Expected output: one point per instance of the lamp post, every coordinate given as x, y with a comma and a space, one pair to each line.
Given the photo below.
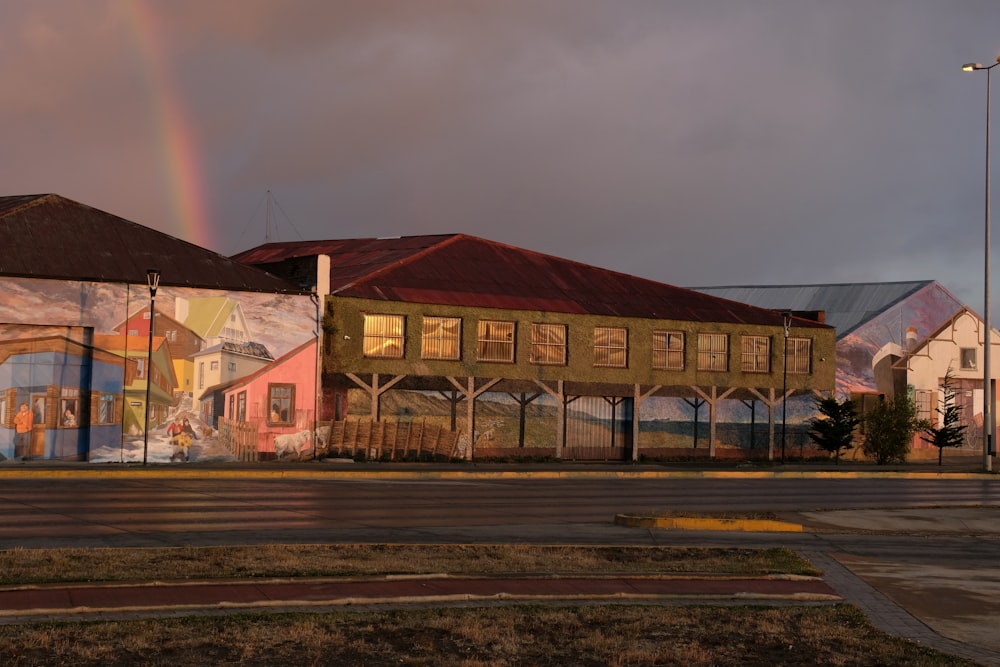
988, 417
786, 318
153, 281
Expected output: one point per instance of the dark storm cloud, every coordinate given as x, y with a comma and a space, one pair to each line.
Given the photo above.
694, 142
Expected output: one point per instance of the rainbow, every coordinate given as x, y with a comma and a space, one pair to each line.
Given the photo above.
176, 135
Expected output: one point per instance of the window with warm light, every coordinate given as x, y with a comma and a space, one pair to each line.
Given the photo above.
442, 338
713, 352
611, 347
495, 341
798, 355
383, 336
668, 350
756, 354
548, 344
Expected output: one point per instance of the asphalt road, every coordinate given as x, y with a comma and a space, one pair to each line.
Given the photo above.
154, 511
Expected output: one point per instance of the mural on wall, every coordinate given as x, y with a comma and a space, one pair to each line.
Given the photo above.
75, 356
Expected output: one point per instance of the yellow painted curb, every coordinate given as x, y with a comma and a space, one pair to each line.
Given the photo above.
319, 472
705, 523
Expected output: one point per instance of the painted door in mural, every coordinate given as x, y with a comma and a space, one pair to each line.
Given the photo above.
38, 429
969, 399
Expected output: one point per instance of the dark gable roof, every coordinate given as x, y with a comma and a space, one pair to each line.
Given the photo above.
464, 270
48, 236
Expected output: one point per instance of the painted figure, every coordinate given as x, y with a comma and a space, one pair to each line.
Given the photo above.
177, 438
23, 421
69, 419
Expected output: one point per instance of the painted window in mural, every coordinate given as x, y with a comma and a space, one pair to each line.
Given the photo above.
798, 355
668, 350
69, 407
548, 344
713, 352
442, 338
140, 368
241, 406
495, 341
281, 398
756, 354
611, 347
106, 404
383, 336
967, 356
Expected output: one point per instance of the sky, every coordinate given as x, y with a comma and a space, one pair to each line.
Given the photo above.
693, 142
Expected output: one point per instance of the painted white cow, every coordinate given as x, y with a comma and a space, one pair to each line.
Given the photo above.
292, 445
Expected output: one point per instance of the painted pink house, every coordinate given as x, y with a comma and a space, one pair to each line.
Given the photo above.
278, 399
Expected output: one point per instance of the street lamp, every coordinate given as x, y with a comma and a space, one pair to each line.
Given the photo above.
988, 425
786, 318
152, 281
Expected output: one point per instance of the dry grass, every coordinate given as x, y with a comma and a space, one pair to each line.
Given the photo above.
497, 636
614, 635
21, 566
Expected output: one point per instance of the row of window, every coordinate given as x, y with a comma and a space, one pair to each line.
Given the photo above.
71, 406
441, 338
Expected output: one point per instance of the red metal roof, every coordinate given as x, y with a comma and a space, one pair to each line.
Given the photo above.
463, 270
48, 236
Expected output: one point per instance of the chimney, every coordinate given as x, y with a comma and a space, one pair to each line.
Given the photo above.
911, 338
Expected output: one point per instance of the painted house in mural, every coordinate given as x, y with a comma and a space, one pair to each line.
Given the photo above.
277, 400
157, 372
184, 343
558, 358
73, 390
220, 364
919, 368
69, 267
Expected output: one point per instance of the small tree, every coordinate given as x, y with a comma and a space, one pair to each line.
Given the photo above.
889, 430
951, 433
834, 430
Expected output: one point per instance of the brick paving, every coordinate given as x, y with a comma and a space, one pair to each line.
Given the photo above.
889, 617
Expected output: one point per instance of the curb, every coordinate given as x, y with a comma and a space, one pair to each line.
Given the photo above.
700, 523
185, 472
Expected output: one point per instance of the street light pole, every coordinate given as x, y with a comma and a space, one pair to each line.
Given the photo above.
988, 403
786, 318
153, 282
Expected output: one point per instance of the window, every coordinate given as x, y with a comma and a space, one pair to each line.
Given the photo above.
442, 338
231, 412
548, 344
201, 375
133, 332
281, 399
171, 335
383, 337
232, 366
213, 365
106, 408
668, 350
241, 406
611, 347
140, 368
923, 400
798, 355
968, 358
69, 407
495, 341
756, 354
713, 352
